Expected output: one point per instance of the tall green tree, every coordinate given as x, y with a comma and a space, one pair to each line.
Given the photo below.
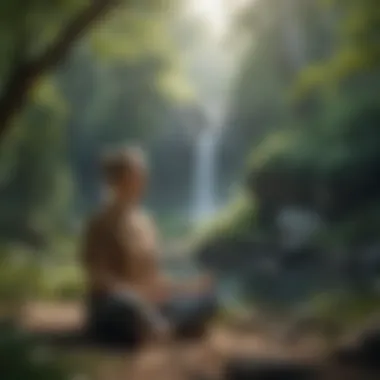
110, 87
36, 35
307, 107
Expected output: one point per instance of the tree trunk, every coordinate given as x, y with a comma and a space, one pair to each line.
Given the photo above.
23, 77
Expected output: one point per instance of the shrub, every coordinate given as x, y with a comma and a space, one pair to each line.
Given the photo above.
20, 358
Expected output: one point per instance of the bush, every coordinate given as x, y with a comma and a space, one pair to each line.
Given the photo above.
236, 220
20, 358
61, 283
19, 279
24, 276
347, 309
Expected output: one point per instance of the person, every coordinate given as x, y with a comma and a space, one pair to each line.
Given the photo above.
130, 300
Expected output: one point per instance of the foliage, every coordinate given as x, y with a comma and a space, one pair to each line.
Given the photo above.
358, 53
19, 358
36, 181
20, 278
308, 110
236, 220
24, 276
359, 227
357, 309
28, 28
121, 81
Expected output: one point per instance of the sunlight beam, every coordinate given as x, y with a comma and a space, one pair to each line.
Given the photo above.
214, 12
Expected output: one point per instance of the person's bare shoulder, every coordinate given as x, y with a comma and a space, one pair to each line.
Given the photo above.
147, 219
145, 214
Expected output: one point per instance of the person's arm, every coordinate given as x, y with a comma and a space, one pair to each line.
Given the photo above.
94, 261
167, 286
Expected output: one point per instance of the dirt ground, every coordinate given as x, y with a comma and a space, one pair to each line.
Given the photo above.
224, 343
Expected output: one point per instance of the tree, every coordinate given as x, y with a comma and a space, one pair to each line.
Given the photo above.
24, 71
37, 35
304, 96
284, 38
106, 91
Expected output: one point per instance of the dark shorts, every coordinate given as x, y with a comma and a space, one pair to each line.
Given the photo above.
122, 321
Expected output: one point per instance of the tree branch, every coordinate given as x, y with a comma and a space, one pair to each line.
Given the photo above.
25, 74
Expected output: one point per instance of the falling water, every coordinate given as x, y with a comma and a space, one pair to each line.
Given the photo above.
205, 169
210, 67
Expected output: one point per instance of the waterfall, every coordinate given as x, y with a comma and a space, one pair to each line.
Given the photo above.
210, 67
205, 169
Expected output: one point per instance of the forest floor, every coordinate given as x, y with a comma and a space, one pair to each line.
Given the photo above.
226, 340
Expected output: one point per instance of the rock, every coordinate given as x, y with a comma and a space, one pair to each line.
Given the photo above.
247, 369
312, 325
363, 353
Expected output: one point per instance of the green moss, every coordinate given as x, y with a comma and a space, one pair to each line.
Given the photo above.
237, 219
25, 276
361, 226
347, 309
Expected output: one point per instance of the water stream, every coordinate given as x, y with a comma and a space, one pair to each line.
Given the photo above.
205, 169
210, 66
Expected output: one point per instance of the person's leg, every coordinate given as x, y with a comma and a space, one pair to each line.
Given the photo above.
125, 327
190, 312
190, 317
147, 319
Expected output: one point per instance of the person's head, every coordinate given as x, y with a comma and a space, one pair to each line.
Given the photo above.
125, 173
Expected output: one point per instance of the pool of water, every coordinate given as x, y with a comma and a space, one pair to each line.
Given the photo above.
228, 289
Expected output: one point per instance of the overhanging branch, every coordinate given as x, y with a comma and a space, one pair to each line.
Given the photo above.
25, 74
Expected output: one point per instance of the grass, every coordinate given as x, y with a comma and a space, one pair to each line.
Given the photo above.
349, 310
28, 278
19, 359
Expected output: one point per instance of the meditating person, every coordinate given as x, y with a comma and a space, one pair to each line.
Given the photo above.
130, 300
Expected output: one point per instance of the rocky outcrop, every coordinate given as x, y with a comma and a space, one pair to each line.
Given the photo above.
270, 272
